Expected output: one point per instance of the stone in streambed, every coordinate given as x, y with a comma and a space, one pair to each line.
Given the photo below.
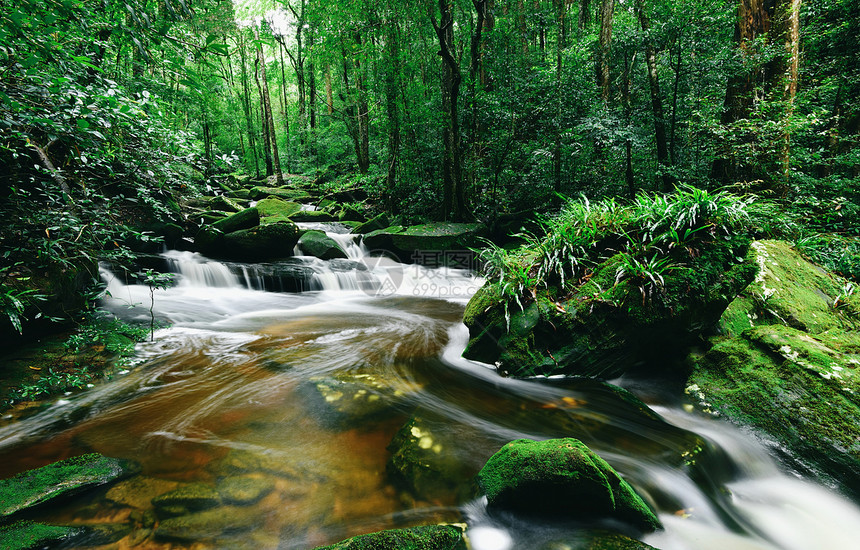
243, 491
561, 477
207, 524
318, 244
188, 498
264, 242
273, 209
60, 479
345, 401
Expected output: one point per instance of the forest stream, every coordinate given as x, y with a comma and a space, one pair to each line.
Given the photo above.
252, 384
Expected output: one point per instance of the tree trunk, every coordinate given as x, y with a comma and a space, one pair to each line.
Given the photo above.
561, 44
270, 120
607, 10
656, 100
454, 203
264, 120
392, 103
329, 99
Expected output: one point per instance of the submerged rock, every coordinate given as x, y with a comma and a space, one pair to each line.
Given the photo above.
436, 460
320, 245
25, 535
60, 479
207, 524
426, 537
561, 477
243, 491
191, 497
597, 539
787, 363
346, 401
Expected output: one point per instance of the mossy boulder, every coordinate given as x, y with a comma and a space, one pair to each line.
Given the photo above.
425, 537
561, 477
224, 203
286, 193
320, 245
273, 210
377, 222
786, 362
26, 535
597, 539
603, 327
350, 214
244, 219
313, 216
429, 244
60, 479
261, 243
801, 389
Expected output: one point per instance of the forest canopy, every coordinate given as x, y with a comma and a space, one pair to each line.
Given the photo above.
112, 113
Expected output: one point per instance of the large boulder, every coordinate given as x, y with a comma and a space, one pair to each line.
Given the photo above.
261, 243
320, 245
378, 222
273, 209
60, 479
313, 216
260, 192
561, 477
786, 363
603, 327
425, 537
432, 244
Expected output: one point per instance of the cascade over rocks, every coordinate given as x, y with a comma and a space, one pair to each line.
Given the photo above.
561, 477
318, 244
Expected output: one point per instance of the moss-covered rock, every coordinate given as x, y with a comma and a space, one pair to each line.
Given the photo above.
273, 210
60, 479
801, 389
412, 244
561, 477
320, 245
261, 243
350, 214
244, 219
603, 327
224, 203
313, 216
286, 193
597, 539
426, 537
207, 524
26, 535
786, 363
377, 222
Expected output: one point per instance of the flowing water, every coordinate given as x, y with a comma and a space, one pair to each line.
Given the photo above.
299, 375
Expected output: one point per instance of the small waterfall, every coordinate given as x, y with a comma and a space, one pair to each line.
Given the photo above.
199, 271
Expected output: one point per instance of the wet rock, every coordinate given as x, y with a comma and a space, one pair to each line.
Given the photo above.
100, 535
604, 328
561, 477
191, 497
207, 524
60, 479
244, 219
224, 203
348, 400
318, 244
437, 238
786, 362
429, 537
436, 459
139, 491
378, 222
240, 461
264, 242
350, 214
26, 535
243, 491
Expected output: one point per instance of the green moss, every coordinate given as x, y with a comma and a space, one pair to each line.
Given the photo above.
561, 477
225, 204
259, 193
62, 478
320, 245
244, 219
801, 389
264, 242
25, 535
427, 537
273, 210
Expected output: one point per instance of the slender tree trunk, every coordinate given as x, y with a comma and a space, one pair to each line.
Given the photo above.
329, 99
264, 115
454, 202
312, 85
286, 113
270, 120
672, 132
656, 100
246, 107
362, 114
629, 176
561, 44
785, 82
607, 10
392, 90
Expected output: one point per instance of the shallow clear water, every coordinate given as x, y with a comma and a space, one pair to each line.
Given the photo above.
230, 390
